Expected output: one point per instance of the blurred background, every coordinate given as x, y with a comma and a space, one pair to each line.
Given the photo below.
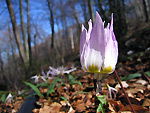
36, 34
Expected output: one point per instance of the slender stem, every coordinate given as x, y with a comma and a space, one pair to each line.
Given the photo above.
99, 87
124, 92
97, 83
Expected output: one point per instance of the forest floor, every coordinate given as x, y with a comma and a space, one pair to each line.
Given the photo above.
76, 93
81, 98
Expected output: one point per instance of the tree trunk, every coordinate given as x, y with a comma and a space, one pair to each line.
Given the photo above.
51, 22
35, 46
13, 56
2, 70
23, 30
138, 6
90, 9
16, 33
102, 12
84, 7
124, 22
77, 21
29, 33
9, 78
71, 39
146, 10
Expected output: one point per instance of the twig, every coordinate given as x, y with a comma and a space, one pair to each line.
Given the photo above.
124, 92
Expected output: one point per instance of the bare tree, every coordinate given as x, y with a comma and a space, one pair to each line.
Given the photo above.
146, 10
29, 32
16, 72
84, 7
102, 11
2, 69
51, 21
16, 33
71, 39
23, 30
90, 9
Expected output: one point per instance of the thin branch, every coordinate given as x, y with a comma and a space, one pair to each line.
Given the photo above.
124, 91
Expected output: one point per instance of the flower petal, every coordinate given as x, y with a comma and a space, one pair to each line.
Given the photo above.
69, 71
97, 36
93, 60
82, 38
83, 44
53, 71
89, 30
111, 50
111, 25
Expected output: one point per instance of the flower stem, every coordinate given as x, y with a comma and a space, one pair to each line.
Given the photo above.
97, 83
124, 91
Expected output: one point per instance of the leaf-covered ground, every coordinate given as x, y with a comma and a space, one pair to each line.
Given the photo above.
76, 93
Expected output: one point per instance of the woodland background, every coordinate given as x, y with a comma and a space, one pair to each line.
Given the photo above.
36, 34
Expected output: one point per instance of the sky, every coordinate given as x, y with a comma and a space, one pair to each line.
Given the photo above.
39, 14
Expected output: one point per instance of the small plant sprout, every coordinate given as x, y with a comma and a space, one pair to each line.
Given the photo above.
9, 98
110, 91
60, 71
37, 78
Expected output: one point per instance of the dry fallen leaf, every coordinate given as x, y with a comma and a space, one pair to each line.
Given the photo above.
134, 90
116, 104
80, 107
45, 109
71, 110
148, 86
143, 82
146, 102
17, 105
125, 112
111, 108
124, 83
53, 108
137, 108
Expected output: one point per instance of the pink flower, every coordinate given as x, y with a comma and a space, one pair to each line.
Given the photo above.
98, 47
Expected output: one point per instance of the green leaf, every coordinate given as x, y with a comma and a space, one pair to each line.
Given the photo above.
60, 85
34, 88
131, 76
100, 108
44, 84
3, 92
50, 100
51, 86
129, 58
70, 77
123, 78
63, 98
102, 99
75, 82
148, 73
3, 97
61, 80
